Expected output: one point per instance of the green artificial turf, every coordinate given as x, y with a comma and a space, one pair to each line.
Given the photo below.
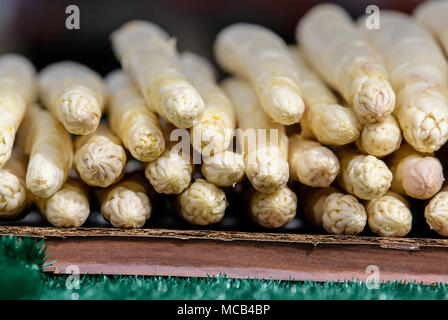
22, 261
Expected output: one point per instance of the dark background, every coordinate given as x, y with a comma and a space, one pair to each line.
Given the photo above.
37, 29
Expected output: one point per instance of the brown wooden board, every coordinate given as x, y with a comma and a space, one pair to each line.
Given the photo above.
240, 254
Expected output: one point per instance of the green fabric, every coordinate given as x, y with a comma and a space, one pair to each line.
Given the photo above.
22, 261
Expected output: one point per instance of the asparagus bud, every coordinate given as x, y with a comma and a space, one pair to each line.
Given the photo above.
68, 207
416, 175
126, 204
202, 203
224, 169
334, 211
99, 157
380, 138
74, 94
311, 163
362, 175
389, 215
273, 210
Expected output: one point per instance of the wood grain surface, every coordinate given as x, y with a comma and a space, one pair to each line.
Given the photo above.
240, 254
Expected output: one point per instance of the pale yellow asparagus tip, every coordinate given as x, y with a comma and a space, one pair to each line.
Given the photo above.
209, 136
170, 173
267, 170
425, 122
145, 144
311, 163
381, 138
202, 203
422, 177
343, 214
44, 177
374, 100
283, 102
100, 163
273, 210
181, 104
224, 169
80, 111
436, 213
68, 207
341, 124
126, 208
367, 177
389, 215
12, 194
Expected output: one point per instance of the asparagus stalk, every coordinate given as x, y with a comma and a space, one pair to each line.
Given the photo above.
324, 118
264, 142
261, 56
418, 73
213, 131
148, 54
50, 152
131, 120
336, 49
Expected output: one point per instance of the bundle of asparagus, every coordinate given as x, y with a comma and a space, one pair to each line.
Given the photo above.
237, 128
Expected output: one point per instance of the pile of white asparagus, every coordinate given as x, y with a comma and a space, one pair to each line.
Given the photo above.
372, 108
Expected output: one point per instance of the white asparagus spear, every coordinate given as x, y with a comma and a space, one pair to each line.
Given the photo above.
213, 131
417, 175
171, 172
260, 55
311, 163
264, 142
334, 211
418, 73
380, 138
149, 55
127, 204
68, 207
130, 119
362, 175
202, 203
74, 94
50, 151
335, 48
432, 15
273, 210
99, 157
389, 215
436, 212
224, 169
14, 197
327, 120
17, 90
